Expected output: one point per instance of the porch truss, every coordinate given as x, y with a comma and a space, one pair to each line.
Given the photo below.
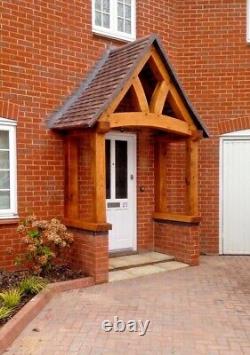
151, 98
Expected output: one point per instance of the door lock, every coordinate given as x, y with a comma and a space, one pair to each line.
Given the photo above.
131, 176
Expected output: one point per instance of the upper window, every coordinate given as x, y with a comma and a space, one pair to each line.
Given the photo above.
8, 195
114, 18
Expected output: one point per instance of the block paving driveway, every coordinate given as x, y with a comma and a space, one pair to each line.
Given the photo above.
196, 310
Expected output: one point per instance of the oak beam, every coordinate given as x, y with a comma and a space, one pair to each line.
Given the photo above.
89, 226
160, 175
98, 176
149, 120
71, 172
178, 106
174, 217
192, 155
159, 97
141, 100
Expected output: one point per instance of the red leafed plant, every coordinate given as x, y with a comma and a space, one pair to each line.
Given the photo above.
43, 242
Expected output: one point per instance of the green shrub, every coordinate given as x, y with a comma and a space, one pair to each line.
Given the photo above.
4, 312
32, 285
10, 298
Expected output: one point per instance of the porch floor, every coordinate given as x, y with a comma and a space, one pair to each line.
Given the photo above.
131, 266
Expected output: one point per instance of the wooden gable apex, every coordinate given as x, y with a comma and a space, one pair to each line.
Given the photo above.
141, 72
154, 101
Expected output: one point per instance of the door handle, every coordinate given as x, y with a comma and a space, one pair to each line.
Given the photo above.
131, 176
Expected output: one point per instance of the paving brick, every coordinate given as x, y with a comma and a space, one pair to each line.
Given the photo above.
195, 310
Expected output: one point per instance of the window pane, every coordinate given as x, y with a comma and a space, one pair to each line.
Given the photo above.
106, 21
120, 10
128, 26
4, 160
121, 169
98, 18
106, 6
108, 172
128, 2
4, 200
98, 5
120, 24
128, 12
4, 180
4, 140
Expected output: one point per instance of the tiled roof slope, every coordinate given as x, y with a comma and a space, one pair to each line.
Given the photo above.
104, 83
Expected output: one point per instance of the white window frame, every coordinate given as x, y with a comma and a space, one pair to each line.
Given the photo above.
10, 126
112, 32
248, 21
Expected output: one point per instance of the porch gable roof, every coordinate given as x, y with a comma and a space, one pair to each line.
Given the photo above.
106, 80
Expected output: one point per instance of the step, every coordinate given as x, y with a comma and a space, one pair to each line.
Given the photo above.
131, 261
139, 271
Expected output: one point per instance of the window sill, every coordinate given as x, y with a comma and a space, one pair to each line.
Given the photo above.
170, 217
9, 220
88, 226
116, 36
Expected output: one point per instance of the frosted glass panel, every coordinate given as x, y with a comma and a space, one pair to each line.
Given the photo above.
4, 140
98, 18
128, 26
4, 180
106, 23
4, 160
4, 200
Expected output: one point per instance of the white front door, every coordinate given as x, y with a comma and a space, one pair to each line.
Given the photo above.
121, 190
235, 193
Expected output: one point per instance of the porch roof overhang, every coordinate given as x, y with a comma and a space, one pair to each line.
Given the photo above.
112, 74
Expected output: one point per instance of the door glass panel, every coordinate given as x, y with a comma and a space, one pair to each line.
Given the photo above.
108, 168
121, 169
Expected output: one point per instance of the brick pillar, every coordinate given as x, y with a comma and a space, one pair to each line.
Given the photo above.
181, 240
90, 254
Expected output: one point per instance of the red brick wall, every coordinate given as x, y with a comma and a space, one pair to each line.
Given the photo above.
47, 47
213, 63
178, 239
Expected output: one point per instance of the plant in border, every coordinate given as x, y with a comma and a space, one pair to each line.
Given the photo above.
4, 312
10, 298
43, 241
32, 285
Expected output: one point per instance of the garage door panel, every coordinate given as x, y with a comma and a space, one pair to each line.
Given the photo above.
236, 196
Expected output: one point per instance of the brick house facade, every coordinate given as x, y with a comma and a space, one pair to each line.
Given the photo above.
48, 48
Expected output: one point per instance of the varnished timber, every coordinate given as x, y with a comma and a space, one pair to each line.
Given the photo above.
149, 120
159, 97
71, 177
192, 152
160, 175
98, 176
89, 226
139, 93
176, 217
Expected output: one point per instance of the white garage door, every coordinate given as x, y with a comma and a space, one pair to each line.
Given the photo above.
235, 193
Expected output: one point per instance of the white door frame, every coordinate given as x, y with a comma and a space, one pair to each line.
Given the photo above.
115, 135
237, 135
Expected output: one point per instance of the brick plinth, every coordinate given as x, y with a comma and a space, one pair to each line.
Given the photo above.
90, 254
180, 240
